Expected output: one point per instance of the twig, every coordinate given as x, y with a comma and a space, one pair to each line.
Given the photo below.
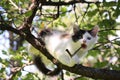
74, 7
19, 8
108, 30
50, 3
71, 55
85, 13
14, 4
15, 70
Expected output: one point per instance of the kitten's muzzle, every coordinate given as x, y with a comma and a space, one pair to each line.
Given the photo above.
84, 46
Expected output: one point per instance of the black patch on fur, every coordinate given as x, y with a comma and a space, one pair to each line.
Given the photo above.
78, 35
90, 32
45, 32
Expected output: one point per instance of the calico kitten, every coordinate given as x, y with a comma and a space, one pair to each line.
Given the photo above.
69, 48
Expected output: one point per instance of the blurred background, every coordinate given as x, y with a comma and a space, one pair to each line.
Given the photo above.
16, 53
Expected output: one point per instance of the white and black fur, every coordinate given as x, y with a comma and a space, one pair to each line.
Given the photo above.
67, 48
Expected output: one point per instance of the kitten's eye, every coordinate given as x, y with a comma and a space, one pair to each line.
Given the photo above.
89, 38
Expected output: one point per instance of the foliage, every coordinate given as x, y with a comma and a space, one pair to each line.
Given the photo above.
105, 53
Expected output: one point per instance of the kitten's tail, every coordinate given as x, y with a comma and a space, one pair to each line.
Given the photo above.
41, 66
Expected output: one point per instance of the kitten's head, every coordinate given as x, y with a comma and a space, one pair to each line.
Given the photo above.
87, 38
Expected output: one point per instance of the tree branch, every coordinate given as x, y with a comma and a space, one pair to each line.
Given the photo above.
28, 21
13, 4
9, 28
50, 3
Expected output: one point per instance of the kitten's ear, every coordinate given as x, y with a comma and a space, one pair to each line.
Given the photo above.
94, 31
76, 28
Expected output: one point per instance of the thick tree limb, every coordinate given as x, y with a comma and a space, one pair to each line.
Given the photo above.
9, 28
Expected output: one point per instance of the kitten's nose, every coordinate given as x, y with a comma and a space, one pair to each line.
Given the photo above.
84, 41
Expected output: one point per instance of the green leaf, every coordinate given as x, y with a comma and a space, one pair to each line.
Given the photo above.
117, 42
0, 60
92, 13
19, 73
108, 22
82, 78
110, 4
5, 62
63, 9
28, 13
118, 49
21, 49
4, 52
67, 73
101, 64
2, 70
117, 12
17, 1
93, 53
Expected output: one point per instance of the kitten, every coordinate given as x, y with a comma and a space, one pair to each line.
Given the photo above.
69, 48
